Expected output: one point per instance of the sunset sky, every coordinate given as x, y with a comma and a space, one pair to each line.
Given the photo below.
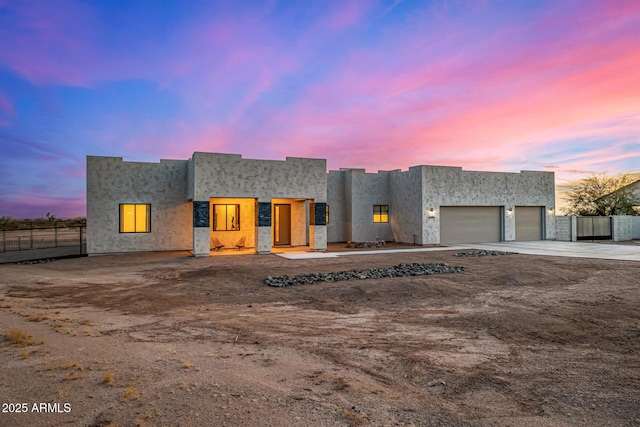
388, 84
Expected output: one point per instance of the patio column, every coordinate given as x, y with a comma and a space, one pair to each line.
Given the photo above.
263, 227
201, 240
319, 227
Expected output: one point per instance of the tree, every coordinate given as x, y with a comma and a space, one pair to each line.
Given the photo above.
603, 195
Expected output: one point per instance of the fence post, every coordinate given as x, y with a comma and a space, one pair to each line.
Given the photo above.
80, 239
55, 227
31, 237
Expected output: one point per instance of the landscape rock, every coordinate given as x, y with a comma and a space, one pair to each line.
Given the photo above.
37, 261
482, 253
359, 245
400, 270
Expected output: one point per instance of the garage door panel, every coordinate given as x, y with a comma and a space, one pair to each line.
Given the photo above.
528, 223
470, 224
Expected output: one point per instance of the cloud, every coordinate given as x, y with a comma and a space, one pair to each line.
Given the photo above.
50, 42
24, 148
466, 102
380, 85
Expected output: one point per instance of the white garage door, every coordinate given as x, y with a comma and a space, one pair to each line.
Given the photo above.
528, 223
470, 224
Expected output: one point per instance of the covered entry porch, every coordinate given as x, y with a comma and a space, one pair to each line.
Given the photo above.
245, 225
235, 198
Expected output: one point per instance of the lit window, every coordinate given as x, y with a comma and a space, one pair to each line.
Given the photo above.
226, 217
380, 213
327, 214
135, 218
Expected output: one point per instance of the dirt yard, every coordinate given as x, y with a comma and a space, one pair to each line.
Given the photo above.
170, 340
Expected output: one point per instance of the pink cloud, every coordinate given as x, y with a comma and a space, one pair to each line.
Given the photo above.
179, 140
67, 42
48, 40
501, 98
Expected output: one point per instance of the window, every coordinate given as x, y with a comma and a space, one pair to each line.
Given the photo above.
380, 213
135, 218
327, 214
226, 217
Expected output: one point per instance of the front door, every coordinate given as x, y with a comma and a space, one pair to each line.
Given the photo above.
282, 225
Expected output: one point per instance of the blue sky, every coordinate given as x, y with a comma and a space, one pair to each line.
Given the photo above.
486, 85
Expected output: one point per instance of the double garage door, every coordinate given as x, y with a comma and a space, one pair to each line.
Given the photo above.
475, 224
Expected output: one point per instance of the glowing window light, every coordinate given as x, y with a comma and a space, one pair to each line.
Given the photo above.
226, 217
380, 213
135, 218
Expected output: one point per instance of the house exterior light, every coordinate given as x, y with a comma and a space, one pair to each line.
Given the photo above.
431, 213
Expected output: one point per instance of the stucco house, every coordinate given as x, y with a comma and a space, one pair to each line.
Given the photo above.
192, 204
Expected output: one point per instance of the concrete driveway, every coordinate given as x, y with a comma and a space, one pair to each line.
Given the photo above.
567, 249
544, 247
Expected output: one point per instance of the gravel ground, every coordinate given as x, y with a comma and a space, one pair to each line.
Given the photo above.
170, 340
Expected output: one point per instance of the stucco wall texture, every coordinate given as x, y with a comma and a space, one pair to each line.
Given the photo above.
172, 187
451, 186
337, 228
352, 214
410, 194
229, 175
110, 182
408, 205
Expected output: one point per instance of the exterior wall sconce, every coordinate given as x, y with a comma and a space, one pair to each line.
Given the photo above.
431, 213
551, 210
509, 211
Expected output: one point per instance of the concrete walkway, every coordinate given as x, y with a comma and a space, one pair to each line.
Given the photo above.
568, 249
310, 255
545, 247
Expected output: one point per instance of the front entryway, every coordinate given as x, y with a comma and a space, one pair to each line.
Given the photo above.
282, 225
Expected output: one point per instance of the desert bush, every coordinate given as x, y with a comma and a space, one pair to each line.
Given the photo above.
20, 337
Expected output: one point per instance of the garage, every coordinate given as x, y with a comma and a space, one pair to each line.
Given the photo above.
528, 223
470, 224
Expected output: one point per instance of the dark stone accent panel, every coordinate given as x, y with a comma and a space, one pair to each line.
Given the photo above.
264, 214
320, 210
200, 214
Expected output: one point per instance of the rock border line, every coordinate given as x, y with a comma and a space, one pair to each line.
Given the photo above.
400, 270
483, 253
